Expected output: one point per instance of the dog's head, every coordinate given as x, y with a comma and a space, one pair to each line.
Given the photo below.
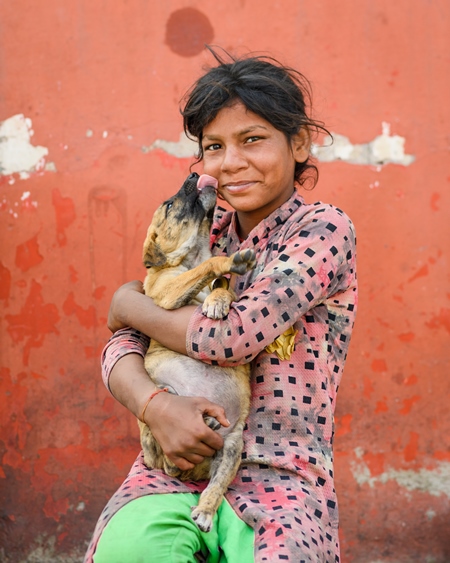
180, 222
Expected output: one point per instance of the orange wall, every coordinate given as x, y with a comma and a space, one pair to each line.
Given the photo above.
100, 83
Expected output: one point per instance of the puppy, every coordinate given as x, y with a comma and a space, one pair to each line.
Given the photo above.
179, 268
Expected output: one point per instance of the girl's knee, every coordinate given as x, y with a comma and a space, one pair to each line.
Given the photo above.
150, 529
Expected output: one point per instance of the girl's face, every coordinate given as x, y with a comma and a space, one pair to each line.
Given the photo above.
253, 162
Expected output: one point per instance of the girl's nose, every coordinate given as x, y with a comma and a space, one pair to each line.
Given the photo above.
233, 159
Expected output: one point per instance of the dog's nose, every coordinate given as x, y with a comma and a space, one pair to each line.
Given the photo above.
193, 176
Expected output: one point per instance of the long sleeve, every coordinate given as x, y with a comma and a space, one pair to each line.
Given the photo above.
123, 342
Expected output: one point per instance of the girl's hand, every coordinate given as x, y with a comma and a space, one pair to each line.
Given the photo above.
120, 306
177, 424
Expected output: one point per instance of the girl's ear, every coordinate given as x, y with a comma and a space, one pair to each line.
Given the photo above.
301, 145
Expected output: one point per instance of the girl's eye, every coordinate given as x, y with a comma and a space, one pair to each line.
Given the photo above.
212, 147
252, 139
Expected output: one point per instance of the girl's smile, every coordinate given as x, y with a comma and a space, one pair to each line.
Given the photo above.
253, 162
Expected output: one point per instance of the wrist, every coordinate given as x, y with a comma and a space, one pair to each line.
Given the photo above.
123, 302
130, 384
156, 409
150, 398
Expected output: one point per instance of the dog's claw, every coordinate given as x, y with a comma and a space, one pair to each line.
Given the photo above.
243, 261
202, 519
212, 422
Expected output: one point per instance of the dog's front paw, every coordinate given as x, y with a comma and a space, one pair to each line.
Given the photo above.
202, 518
217, 304
243, 261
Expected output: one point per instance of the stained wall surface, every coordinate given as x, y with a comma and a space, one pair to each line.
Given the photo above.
90, 144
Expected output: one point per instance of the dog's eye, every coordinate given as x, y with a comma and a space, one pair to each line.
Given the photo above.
169, 205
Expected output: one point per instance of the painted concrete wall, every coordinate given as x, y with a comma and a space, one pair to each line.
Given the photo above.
89, 145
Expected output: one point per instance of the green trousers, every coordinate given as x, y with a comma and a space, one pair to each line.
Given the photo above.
158, 529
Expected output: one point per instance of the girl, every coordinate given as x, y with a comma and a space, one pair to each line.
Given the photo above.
293, 321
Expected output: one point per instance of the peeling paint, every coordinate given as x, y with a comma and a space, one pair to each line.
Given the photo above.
430, 514
72, 236
50, 167
46, 549
12, 207
384, 149
86, 317
183, 148
35, 321
5, 282
17, 154
64, 214
435, 482
28, 255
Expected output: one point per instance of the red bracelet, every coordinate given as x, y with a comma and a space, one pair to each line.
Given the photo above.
164, 390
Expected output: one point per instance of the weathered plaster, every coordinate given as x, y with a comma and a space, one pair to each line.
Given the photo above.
183, 148
384, 149
92, 82
17, 154
432, 481
46, 549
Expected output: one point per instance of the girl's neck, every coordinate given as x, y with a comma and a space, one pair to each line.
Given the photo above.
245, 222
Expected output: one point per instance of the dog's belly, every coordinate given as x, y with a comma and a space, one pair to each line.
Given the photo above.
192, 378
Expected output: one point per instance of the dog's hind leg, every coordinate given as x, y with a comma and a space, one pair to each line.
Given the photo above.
223, 470
212, 422
170, 469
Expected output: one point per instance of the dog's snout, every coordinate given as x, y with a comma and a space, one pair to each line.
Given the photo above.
190, 184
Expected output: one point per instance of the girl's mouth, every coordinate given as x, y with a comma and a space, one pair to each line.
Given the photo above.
236, 187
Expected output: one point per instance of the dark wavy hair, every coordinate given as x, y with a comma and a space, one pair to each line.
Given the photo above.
279, 94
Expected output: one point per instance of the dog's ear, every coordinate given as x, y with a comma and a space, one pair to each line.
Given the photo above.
152, 254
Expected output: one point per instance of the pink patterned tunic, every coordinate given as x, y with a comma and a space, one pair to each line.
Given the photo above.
305, 278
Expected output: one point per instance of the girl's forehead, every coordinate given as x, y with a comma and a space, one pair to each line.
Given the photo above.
236, 119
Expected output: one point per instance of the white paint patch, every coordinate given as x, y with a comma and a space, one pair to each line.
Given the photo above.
430, 514
17, 154
183, 148
14, 207
50, 167
435, 482
384, 149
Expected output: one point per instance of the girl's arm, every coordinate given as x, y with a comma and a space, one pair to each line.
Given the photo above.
176, 422
130, 307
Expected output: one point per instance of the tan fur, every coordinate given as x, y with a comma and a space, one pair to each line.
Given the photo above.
180, 266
